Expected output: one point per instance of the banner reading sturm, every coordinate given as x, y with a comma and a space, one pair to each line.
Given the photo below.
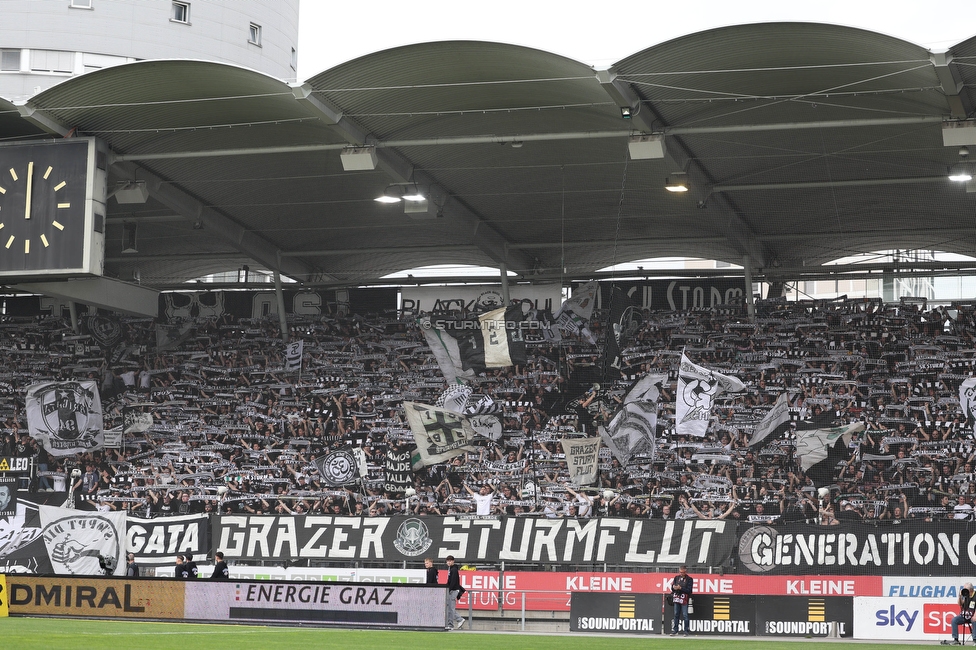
908, 548
512, 539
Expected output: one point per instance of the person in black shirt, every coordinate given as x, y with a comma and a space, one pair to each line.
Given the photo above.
191, 568
220, 572
181, 571
431, 571
131, 569
455, 591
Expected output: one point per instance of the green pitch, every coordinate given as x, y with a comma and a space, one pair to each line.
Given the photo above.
47, 633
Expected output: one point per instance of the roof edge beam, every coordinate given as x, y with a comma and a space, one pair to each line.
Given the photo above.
866, 182
246, 241
42, 120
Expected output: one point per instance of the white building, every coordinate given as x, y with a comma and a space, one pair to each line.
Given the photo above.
44, 42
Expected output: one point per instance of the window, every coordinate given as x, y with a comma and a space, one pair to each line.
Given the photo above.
81, 4
254, 34
294, 59
181, 12
52, 61
9, 60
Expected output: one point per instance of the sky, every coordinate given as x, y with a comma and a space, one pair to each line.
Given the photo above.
599, 35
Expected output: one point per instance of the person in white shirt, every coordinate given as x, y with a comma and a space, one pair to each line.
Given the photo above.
585, 507
482, 499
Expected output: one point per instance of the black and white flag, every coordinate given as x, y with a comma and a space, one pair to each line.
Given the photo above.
775, 418
467, 347
293, 356
697, 388
65, 417
440, 434
574, 315
342, 466
819, 450
633, 430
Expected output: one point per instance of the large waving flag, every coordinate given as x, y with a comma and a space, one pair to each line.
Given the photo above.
774, 420
633, 429
440, 434
466, 347
819, 450
574, 315
697, 388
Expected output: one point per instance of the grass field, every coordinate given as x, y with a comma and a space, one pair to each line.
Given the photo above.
47, 633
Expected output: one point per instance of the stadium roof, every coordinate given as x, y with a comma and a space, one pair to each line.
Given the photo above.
802, 143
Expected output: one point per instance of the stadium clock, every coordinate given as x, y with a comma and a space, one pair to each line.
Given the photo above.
46, 209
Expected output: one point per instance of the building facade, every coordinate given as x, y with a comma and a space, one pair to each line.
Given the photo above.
45, 42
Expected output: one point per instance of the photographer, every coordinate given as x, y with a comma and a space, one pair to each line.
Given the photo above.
967, 604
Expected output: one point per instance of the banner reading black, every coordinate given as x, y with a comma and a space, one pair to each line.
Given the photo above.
511, 539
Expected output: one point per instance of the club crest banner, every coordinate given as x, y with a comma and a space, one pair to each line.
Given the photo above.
65, 417
76, 539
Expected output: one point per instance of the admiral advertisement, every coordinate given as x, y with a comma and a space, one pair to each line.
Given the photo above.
327, 603
509, 539
855, 548
88, 597
614, 612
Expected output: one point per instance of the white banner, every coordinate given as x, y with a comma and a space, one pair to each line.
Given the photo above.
582, 459
77, 540
697, 388
65, 417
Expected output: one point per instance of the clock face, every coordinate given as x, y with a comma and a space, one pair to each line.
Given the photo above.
43, 196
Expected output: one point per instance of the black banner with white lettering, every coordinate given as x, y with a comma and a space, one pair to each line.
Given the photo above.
159, 540
686, 294
910, 547
510, 539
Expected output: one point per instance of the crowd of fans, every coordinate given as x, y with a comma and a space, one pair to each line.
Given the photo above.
232, 432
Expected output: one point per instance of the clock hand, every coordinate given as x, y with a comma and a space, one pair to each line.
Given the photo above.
30, 181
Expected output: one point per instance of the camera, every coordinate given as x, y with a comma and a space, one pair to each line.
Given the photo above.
107, 564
